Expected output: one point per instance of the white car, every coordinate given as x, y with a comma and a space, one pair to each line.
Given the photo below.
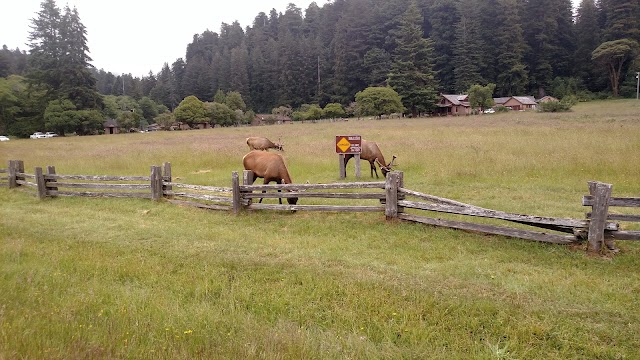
489, 111
51, 134
4, 138
38, 135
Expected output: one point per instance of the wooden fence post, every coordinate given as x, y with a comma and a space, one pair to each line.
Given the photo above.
42, 186
343, 168
391, 192
156, 183
51, 170
166, 176
247, 179
235, 189
601, 193
13, 169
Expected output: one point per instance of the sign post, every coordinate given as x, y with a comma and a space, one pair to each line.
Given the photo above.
348, 145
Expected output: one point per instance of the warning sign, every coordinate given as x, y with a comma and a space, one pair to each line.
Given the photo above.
348, 144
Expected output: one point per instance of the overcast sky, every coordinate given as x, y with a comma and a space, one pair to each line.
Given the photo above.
138, 36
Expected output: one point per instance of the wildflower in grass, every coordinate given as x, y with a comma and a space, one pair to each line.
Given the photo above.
188, 331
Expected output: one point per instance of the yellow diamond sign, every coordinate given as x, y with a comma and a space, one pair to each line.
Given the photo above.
348, 144
343, 144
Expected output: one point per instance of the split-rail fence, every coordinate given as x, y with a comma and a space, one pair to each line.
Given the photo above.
390, 197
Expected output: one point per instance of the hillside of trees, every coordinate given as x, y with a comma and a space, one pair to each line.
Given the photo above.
328, 54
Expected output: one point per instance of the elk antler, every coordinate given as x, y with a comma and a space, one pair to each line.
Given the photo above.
382, 166
392, 163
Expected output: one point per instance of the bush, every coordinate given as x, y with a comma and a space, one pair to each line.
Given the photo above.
501, 108
555, 106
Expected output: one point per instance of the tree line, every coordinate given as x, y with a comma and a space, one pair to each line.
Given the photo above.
327, 54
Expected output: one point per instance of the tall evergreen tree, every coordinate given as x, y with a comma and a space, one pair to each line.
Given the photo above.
588, 38
77, 81
443, 17
467, 60
622, 19
412, 74
512, 77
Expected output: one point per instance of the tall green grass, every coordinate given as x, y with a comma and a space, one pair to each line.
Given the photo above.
125, 278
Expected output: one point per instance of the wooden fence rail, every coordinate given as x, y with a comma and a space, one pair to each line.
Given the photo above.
390, 196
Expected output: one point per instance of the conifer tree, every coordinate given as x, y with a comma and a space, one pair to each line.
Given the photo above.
467, 58
412, 75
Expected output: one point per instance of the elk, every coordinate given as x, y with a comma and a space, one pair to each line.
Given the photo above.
270, 167
371, 152
262, 143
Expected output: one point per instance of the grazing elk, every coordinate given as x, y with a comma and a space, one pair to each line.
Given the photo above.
270, 167
261, 143
371, 152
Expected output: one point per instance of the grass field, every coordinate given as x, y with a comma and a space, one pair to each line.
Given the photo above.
125, 278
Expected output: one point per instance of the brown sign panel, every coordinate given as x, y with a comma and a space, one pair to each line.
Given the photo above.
348, 144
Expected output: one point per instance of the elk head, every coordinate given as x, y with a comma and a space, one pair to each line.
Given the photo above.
386, 168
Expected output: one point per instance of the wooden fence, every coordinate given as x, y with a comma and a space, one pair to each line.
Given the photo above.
390, 196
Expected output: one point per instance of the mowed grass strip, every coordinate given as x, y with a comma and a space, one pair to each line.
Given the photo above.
119, 278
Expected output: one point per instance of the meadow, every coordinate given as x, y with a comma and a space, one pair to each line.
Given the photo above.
89, 278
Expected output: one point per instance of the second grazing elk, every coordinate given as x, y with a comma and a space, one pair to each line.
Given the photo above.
262, 143
371, 152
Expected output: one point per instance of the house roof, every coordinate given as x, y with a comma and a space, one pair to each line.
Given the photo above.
524, 100
457, 99
110, 123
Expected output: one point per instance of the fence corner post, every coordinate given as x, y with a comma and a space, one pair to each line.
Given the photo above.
52, 190
391, 195
166, 176
247, 179
40, 182
12, 174
601, 193
235, 188
156, 183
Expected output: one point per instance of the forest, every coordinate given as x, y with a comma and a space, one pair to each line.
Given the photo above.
327, 55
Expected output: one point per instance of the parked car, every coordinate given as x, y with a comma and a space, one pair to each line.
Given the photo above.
38, 135
51, 134
4, 138
489, 111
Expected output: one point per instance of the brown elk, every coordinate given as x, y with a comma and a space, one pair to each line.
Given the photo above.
371, 152
262, 143
270, 167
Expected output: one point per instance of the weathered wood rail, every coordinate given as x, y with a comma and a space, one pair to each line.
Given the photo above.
600, 200
389, 196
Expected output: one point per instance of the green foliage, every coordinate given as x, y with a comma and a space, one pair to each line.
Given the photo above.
191, 111
412, 73
481, 96
314, 112
558, 106
219, 97
283, 111
334, 110
234, 101
60, 116
11, 91
614, 56
148, 107
165, 120
378, 101
221, 114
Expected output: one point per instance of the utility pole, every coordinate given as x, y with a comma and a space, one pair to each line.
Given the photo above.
637, 85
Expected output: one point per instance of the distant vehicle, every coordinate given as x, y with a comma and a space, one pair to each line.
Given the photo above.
51, 134
4, 138
489, 111
38, 135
